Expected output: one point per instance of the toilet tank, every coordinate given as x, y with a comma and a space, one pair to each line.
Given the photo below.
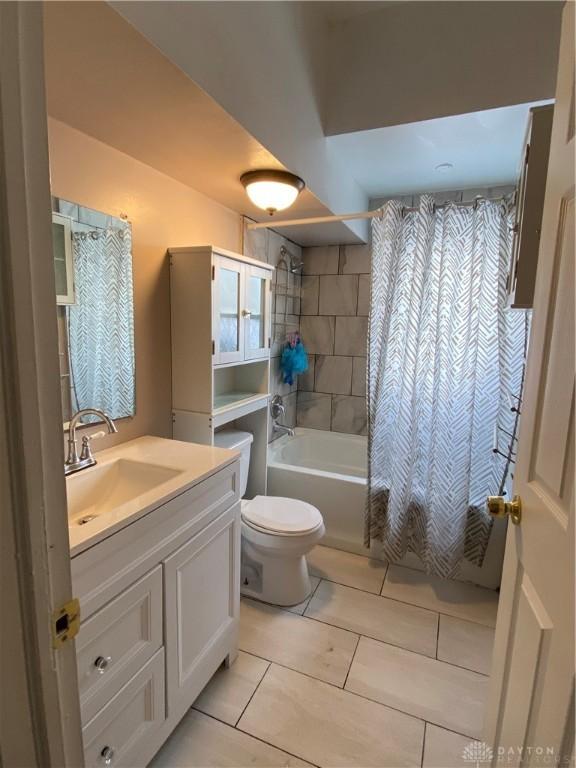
236, 440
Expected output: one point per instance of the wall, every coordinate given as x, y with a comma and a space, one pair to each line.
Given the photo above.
414, 61
334, 307
265, 244
163, 213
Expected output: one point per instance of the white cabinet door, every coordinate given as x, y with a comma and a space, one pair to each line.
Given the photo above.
202, 596
228, 298
256, 312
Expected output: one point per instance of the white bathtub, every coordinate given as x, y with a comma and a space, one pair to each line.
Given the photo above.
328, 470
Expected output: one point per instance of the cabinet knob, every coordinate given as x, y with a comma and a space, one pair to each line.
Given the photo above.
246, 313
101, 663
107, 755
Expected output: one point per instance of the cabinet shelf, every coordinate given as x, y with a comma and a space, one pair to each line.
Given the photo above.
235, 405
231, 399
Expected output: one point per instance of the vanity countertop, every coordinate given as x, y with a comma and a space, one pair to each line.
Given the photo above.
132, 479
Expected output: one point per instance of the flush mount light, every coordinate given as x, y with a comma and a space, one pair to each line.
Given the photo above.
444, 167
272, 190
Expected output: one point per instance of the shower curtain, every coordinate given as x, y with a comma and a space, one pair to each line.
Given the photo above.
100, 323
444, 355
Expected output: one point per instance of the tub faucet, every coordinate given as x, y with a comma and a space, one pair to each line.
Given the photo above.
282, 428
75, 463
278, 409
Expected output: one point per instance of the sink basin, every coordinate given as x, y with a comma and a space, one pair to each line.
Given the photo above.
131, 480
103, 489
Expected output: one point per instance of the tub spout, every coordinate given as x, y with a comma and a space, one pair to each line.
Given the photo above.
282, 428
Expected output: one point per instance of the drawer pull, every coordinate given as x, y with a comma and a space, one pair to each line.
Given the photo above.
101, 665
107, 755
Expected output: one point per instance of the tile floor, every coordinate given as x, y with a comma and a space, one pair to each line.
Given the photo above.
380, 666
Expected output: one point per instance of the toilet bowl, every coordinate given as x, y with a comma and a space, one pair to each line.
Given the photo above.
277, 534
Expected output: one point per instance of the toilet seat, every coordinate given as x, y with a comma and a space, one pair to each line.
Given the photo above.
280, 516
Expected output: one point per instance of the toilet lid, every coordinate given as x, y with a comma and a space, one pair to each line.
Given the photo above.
281, 515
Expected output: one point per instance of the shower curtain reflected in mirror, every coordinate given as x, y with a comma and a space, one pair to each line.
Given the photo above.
101, 322
444, 354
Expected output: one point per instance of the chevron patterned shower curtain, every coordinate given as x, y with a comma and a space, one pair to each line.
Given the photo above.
101, 322
444, 354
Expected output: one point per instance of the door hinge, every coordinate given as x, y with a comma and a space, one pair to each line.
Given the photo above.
269, 342
65, 623
213, 272
213, 348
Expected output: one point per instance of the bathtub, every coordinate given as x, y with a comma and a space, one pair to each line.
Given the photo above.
328, 470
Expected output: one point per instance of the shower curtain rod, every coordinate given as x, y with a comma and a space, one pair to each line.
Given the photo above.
362, 215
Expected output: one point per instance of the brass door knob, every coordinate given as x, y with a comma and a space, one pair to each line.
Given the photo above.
499, 507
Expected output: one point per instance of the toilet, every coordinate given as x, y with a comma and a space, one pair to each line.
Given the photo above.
277, 534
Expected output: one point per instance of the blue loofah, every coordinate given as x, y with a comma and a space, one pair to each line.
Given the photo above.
294, 360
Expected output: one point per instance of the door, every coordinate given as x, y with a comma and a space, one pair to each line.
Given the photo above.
256, 312
530, 713
228, 287
202, 588
41, 724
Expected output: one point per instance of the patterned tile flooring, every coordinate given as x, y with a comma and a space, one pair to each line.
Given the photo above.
381, 666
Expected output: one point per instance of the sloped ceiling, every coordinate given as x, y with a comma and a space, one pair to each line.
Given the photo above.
108, 81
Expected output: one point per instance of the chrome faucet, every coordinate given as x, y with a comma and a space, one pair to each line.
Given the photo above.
278, 409
282, 428
75, 463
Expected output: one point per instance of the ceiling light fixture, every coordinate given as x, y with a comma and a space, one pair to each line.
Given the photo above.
272, 190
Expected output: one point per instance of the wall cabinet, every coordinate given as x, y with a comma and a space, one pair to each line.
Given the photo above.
63, 258
241, 306
529, 208
160, 607
221, 336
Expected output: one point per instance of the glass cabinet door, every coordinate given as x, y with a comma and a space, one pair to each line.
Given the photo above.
256, 312
63, 259
229, 341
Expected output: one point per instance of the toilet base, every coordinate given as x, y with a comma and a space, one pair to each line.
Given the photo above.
274, 577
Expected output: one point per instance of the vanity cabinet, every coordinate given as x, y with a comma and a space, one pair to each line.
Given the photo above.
159, 601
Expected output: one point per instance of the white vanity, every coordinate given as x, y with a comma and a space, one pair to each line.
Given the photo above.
155, 546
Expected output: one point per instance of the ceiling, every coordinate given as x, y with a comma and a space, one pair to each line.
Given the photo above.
483, 149
343, 10
128, 95
200, 93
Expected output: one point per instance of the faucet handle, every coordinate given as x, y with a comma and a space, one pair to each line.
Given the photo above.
86, 452
277, 407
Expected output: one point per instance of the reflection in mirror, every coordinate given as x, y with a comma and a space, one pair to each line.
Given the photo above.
93, 271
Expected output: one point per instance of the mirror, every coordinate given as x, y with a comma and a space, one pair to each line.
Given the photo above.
95, 307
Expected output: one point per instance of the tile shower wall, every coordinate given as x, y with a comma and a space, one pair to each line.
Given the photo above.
265, 245
334, 304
